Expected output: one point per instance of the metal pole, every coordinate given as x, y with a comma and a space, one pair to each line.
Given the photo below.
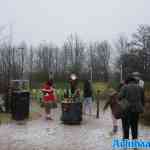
91, 74
97, 104
22, 61
121, 73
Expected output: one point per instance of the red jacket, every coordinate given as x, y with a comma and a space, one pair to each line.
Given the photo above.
48, 92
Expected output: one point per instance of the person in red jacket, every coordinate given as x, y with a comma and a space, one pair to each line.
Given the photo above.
48, 98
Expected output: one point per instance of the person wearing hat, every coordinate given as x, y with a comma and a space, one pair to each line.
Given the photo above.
134, 95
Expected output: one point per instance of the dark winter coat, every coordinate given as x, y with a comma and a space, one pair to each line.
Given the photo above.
87, 91
135, 96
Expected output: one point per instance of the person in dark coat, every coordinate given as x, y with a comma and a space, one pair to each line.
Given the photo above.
87, 94
134, 94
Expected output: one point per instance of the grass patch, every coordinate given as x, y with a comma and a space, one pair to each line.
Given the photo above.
60, 86
5, 118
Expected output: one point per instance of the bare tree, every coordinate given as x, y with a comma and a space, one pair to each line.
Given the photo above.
122, 47
99, 56
141, 41
73, 53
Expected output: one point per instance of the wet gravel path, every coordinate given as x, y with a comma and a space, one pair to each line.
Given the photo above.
92, 134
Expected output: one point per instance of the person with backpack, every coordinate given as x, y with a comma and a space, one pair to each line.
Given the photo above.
134, 96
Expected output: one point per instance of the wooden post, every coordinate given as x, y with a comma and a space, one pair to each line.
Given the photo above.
97, 103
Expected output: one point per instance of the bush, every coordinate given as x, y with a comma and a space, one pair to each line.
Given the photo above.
115, 84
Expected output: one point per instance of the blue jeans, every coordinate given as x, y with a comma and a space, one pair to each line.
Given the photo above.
87, 104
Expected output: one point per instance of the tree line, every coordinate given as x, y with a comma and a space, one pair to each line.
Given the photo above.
134, 54
88, 60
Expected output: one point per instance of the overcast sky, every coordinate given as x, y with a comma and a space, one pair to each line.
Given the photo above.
53, 20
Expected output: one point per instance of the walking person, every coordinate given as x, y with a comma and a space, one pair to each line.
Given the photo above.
48, 98
87, 94
134, 95
112, 103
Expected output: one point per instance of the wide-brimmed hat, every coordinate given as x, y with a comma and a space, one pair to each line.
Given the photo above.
137, 74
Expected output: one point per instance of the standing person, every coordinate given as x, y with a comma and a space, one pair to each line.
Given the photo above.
48, 98
112, 102
135, 97
87, 94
